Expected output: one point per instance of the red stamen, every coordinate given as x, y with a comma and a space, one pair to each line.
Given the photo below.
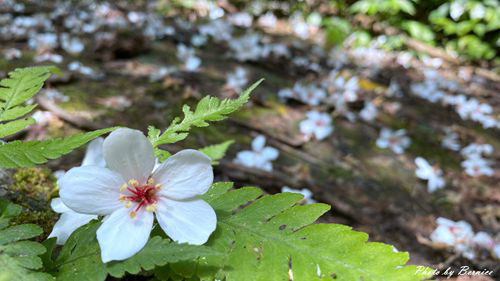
143, 195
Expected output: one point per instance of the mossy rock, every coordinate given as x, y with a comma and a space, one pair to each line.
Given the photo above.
32, 188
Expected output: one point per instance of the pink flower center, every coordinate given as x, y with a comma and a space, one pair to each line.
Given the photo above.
393, 140
144, 196
320, 123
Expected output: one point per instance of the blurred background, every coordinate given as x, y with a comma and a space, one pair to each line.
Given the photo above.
388, 110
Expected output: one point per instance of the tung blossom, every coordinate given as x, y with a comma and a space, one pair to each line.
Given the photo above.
308, 195
317, 124
397, 141
238, 79
259, 157
432, 174
476, 167
130, 194
458, 235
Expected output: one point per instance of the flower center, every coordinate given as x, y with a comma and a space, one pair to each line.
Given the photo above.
320, 123
143, 196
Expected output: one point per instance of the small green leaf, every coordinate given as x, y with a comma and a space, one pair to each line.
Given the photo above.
217, 151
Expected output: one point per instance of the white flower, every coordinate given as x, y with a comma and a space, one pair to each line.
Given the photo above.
247, 47
496, 250
12, 54
71, 220
130, 194
394, 89
433, 175
457, 8
188, 56
484, 240
427, 90
199, 40
47, 56
397, 141
369, 112
317, 124
475, 150
268, 20
238, 79
72, 45
304, 191
477, 166
241, 19
450, 140
82, 69
220, 30
259, 157
161, 73
478, 11
55, 95
458, 235
287, 93
310, 94
349, 88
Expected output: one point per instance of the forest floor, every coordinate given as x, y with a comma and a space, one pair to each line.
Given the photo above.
371, 189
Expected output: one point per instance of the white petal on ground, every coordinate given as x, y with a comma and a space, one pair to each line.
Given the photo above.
258, 143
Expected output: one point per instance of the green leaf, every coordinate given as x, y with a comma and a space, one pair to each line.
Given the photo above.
270, 237
217, 151
18, 257
419, 31
80, 258
22, 84
208, 109
13, 127
158, 252
27, 154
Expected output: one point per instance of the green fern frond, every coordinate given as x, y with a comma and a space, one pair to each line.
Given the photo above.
270, 237
19, 259
27, 154
208, 109
21, 85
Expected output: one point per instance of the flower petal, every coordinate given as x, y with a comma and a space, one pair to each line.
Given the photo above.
91, 190
258, 143
58, 206
270, 153
67, 224
190, 221
120, 236
184, 175
129, 153
93, 154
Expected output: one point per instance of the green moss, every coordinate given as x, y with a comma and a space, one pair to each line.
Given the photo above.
45, 219
36, 183
32, 188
